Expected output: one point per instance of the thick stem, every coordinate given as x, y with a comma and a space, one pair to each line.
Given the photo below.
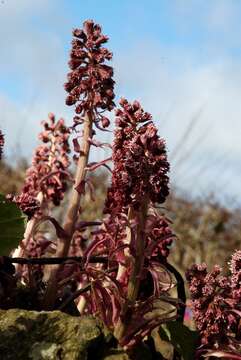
63, 244
73, 210
19, 252
135, 275
127, 241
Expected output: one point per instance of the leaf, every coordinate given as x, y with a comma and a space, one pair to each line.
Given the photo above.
164, 335
181, 337
12, 225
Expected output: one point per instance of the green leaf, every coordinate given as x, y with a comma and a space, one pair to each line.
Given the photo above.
12, 225
181, 337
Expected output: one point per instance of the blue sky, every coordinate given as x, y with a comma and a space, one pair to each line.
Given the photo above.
180, 58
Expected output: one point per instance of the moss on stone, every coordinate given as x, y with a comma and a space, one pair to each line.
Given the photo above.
32, 335
48, 335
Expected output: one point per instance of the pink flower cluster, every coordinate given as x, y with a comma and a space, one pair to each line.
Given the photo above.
48, 173
90, 84
216, 304
159, 236
140, 160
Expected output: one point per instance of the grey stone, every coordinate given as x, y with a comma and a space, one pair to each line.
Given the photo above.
32, 335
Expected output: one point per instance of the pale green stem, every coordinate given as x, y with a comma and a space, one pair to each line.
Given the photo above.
137, 265
63, 244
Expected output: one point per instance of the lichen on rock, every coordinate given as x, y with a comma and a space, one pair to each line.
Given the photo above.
31, 335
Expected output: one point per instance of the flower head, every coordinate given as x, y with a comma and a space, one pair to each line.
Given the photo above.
90, 84
216, 304
235, 263
208, 293
159, 236
48, 173
140, 160
235, 268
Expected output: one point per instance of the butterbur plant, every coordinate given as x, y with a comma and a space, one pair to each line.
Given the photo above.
216, 308
90, 88
46, 179
133, 237
115, 268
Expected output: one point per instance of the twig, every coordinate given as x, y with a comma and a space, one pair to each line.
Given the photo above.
57, 260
